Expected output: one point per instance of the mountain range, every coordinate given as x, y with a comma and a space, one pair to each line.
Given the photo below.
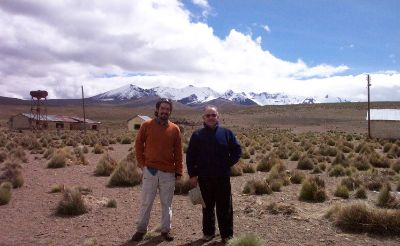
193, 96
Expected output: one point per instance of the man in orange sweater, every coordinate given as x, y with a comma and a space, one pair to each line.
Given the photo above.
159, 154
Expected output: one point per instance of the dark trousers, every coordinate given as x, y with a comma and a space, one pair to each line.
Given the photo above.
216, 192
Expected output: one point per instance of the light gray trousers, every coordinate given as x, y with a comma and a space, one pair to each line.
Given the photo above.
165, 183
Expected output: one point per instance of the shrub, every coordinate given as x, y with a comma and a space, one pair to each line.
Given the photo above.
126, 140
276, 185
105, 166
256, 187
58, 160
313, 190
98, 149
71, 203
394, 152
350, 183
3, 156
295, 156
248, 240
237, 170
277, 208
55, 188
342, 191
361, 193
182, 186
336, 171
358, 217
387, 147
361, 163
126, 173
305, 163
268, 162
377, 160
112, 203
5, 193
49, 153
11, 172
249, 168
385, 199
297, 177
396, 166
18, 154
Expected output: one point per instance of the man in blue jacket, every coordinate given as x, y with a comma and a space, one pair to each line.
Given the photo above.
212, 151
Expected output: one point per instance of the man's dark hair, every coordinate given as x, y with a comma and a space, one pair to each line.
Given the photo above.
158, 104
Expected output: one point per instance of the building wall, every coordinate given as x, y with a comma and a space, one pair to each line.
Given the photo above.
133, 122
19, 122
385, 129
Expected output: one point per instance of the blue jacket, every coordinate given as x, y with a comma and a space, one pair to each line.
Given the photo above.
212, 152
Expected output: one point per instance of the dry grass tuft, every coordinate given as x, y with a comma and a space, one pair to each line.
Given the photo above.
105, 166
359, 217
246, 240
342, 191
256, 187
71, 203
313, 190
279, 208
12, 172
5, 192
268, 162
126, 173
297, 177
182, 186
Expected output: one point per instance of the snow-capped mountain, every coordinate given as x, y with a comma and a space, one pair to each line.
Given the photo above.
191, 95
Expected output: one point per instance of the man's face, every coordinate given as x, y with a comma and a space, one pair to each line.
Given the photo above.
164, 111
210, 117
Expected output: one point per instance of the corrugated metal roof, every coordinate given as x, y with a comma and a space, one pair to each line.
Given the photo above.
144, 117
385, 114
62, 118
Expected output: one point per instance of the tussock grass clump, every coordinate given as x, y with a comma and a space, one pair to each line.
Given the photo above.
112, 203
268, 162
247, 240
126, 173
58, 160
358, 217
387, 147
395, 166
350, 183
5, 192
49, 153
297, 177
71, 203
336, 171
126, 140
105, 166
18, 154
3, 156
342, 191
182, 186
379, 161
394, 152
55, 188
249, 168
276, 185
361, 193
387, 200
256, 187
237, 169
98, 149
313, 190
364, 148
305, 163
361, 162
295, 156
12, 172
340, 159
279, 208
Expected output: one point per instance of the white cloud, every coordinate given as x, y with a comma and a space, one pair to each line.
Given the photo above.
266, 28
60, 45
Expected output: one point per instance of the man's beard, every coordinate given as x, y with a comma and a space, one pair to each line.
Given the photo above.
163, 117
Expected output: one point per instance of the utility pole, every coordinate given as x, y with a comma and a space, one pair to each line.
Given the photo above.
369, 106
84, 115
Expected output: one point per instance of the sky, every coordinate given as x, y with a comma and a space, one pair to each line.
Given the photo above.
301, 48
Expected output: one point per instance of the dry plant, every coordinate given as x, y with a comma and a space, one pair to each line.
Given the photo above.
182, 186
71, 203
267, 162
248, 240
105, 166
112, 203
256, 187
387, 200
126, 173
297, 177
361, 193
249, 168
313, 190
358, 217
5, 192
12, 172
3, 156
59, 159
305, 163
279, 208
342, 191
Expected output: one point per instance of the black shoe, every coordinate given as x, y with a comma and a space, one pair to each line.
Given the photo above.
208, 238
167, 236
138, 236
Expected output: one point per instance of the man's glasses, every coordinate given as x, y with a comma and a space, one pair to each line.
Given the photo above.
210, 115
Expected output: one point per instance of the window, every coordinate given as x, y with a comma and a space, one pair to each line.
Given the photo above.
136, 126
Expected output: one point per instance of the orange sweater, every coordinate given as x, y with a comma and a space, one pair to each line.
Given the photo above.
159, 146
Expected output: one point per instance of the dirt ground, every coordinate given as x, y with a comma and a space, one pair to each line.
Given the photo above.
29, 218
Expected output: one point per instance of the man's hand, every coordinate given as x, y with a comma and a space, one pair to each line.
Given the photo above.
178, 177
194, 181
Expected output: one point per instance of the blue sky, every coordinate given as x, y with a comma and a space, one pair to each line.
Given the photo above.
363, 34
300, 48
